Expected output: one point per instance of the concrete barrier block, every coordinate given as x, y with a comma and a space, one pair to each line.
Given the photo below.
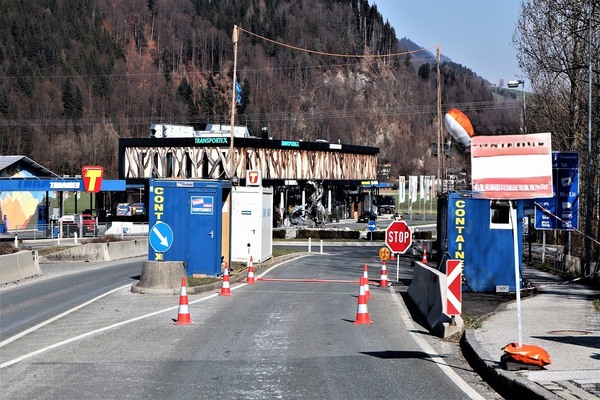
19, 266
428, 291
101, 251
127, 249
85, 252
29, 263
9, 269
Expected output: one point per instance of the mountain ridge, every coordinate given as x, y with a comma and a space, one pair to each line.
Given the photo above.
113, 69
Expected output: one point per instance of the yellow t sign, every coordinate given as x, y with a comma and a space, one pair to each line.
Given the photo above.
92, 178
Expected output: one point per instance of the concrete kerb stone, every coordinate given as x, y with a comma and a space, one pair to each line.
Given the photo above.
506, 383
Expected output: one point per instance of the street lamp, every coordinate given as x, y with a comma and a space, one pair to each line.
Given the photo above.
515, 84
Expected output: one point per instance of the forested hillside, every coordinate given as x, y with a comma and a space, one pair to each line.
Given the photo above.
79, 74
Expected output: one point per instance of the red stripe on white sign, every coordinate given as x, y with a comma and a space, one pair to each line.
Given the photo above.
454, 282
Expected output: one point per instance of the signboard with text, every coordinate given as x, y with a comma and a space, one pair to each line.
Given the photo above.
398, 237
512, 166
561, 211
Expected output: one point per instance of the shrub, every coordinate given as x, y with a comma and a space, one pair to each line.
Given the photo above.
423, 235
279, 234
103, 239
7, 248
326, 234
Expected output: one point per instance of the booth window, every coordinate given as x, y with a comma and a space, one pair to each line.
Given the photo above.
500, 214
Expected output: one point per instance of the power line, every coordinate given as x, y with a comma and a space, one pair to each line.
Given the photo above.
289, 46
283, 116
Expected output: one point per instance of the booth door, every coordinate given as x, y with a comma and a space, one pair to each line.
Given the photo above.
204, 232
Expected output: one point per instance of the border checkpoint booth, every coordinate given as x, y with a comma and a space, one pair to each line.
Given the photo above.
479, 232
252, 223
189, 222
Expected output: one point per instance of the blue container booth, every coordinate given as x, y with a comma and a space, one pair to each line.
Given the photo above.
479, 232
189, 221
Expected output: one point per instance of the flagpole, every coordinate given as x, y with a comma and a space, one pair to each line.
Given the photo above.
234, 38
440, 135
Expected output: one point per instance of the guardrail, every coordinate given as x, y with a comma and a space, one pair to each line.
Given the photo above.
66, 230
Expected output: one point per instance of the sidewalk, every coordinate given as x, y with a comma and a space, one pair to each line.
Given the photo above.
560, 319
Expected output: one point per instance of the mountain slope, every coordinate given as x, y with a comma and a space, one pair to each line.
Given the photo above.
80, 74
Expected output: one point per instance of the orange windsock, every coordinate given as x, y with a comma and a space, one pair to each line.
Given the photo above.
459, 126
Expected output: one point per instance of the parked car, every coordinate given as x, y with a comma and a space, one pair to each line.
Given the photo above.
122, 210
137, 209
385, 204
88, 223
367, 216
84, 223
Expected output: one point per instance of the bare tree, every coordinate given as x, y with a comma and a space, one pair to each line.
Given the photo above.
553, 40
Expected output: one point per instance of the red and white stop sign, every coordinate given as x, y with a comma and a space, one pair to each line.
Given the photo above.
398, 237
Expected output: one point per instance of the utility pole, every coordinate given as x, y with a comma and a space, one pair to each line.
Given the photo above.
440, 136
234, 38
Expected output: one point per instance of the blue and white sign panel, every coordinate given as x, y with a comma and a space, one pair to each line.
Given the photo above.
161, 237
372, 225
203, 205
563, 206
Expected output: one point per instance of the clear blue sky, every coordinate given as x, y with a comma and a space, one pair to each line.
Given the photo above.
474, 33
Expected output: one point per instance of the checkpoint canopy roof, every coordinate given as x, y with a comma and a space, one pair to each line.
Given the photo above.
56, 185
39, 178
10, 164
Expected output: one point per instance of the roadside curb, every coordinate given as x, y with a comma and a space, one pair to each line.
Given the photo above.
506, 383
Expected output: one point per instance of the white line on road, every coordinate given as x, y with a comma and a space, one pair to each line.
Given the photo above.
99, 330
48, 321
435, 357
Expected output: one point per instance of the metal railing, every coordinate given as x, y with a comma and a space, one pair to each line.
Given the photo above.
55, 230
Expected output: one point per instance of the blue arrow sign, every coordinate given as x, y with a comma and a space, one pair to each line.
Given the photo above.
372, 225
161, 237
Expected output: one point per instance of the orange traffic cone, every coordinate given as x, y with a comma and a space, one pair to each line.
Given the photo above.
250, 278
362, 312
393, 257
183, 315
424, 260
225, 291
366, 282
384, 277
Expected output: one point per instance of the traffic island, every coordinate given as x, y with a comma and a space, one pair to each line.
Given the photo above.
160, 277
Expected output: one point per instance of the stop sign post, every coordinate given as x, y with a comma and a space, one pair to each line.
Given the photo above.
398, 237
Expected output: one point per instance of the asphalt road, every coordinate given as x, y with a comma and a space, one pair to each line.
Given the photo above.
63, 287
290, 336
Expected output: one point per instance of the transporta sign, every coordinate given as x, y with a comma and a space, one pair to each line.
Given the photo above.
92, 178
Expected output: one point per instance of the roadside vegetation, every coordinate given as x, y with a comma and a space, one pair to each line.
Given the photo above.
472, 322
7, 248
